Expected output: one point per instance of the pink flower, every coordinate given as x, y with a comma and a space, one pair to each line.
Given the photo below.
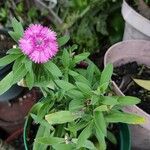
39, 43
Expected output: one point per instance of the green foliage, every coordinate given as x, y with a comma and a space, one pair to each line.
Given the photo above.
90, 22
79, 114
22, 10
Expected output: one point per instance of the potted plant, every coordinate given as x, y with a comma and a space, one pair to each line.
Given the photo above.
27, 74
79, 114
130, 55
136, 14
72, 94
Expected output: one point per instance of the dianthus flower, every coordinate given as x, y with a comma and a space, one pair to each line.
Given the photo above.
39, 43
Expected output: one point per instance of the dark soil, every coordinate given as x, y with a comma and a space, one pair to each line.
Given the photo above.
123, 76
5, 43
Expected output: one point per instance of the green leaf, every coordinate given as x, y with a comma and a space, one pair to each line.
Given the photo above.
17, 26
76, 104
64, 146
128, 100
109, 100
14, 35
84, 88
18, 62
8, 59
5, 83
42, 132
88, 144
19, 73
14, 51
78, 77
80, 57
143, 83
18, 30
65, 58
30, 79
101, 108
117, 116
62, 117
73, 47
63, 40
84, 135
111, 137
49, 140
28, 64
106, 77
53, 69
101, 139
75, 94
90, 72
66, 86
100, 122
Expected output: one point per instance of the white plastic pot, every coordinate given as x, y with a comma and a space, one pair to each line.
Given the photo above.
136, 26
122, 53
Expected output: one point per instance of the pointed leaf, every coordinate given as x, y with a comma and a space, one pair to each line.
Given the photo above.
100, 122
101, 108
53, 69
62, 117
84, 135
5, 83
63, 40
117, 116
143, 83
128, 100
81, 57
106, 77
8, 59
66, 86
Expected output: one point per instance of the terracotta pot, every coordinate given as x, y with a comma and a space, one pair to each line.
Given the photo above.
137, 26
12, 114
122, 53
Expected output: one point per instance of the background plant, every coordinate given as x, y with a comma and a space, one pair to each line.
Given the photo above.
23, 10
93, 24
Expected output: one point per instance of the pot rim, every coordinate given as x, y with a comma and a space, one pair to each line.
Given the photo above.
135, 19
132, 109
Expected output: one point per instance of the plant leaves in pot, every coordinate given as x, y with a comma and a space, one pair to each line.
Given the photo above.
137, 26
84, 117
123, 53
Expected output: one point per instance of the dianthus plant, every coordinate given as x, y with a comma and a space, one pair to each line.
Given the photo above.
80, 115
35, 55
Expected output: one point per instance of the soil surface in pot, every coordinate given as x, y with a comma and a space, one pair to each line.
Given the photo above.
124, 75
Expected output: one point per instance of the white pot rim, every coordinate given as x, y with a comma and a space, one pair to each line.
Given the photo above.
133, 18
131, 109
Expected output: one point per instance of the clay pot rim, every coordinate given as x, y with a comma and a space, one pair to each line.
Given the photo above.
141, 112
